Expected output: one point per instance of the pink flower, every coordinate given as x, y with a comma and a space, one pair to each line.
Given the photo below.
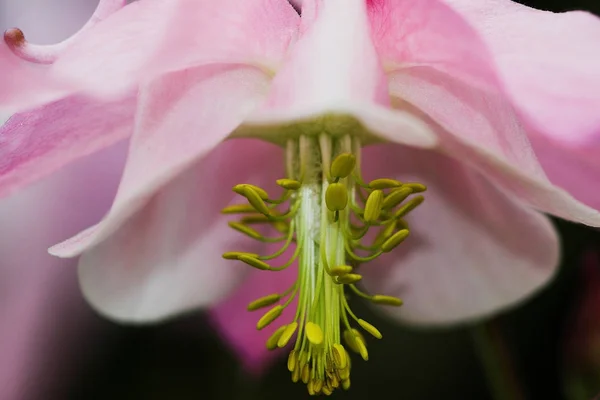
447, 93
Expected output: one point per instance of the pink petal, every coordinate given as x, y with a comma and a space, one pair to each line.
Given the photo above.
238, 326
23, 84
45, 324
574, 169
36, 143
547, 63
439, 64
150, 38
480, 128
334, 69
47, 54
146, 39
181, 118
166, 259
473, 250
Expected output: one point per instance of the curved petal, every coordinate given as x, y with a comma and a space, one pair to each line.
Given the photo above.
47, 54
43, 317
348, 79
181, 118
166, 259
479, 127
146, 39
577, 170
473, 249
547, 62
24, 86
544, 62
238, 326
150, 38
36, 143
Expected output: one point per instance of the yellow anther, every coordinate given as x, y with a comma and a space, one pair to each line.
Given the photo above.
385, 233
373, 206
396, 197
289, 184
326, 391
269, 317
264, 302
303, 359
409, 206
240, 189
235, 255
314, 334
317, 385
370, 328
416, 187
362, 348
310, 388
336, 197
386, 300
246, 230
281, 226
349, 338
305, 374
397, 238
348, 279
346, 384
328, 365
255, 262
339, 356
335, 382
287, 334
254, 199
343, 165
344, 373
272, 340
292, 362
296, 374
384, 183
340, 270
238, 209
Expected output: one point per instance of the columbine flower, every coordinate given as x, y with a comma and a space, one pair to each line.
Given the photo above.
444, 91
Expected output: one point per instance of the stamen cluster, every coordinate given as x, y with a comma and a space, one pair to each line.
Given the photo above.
332, 216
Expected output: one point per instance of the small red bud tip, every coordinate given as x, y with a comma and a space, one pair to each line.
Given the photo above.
14, 37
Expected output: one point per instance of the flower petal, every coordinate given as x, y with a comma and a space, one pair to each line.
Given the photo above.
547, 62
473, 249
574, 169
181, 118
479, 127
36, 143
442, 66
347, 79
146, 39
25, 83
166, 259
150, 38
237, 326
47, 54
43, 318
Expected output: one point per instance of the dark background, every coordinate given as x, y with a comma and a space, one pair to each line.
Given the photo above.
185, 359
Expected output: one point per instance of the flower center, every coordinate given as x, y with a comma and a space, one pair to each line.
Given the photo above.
337, 222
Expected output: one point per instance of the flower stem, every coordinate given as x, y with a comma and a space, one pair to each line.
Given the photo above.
497, 362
